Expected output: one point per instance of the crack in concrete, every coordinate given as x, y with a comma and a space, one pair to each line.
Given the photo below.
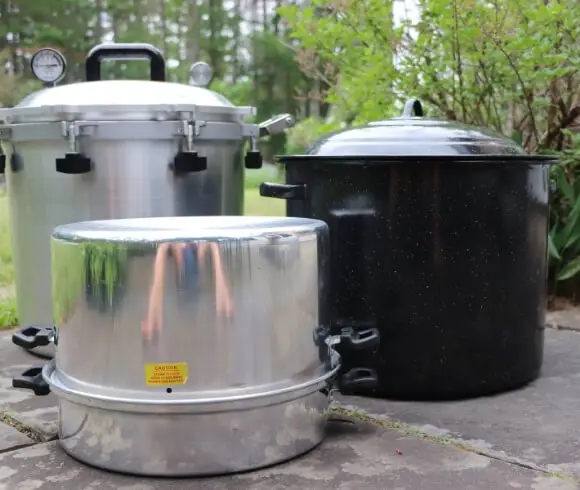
18, 446
34, 434
386, 423
564, 328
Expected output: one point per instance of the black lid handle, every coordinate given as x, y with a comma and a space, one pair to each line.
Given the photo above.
413, 106
116, 51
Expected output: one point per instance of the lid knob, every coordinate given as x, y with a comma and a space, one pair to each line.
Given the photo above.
200, 74
413, 106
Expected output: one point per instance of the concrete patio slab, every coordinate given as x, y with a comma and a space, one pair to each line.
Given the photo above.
525, 439
37, 413
355, 456
538, 426
11, 439
564, 319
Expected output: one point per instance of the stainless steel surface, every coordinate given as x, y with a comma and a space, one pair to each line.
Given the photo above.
276, 124
236, 299
131, 130
130, 180
193, 441
127, 100
120, 130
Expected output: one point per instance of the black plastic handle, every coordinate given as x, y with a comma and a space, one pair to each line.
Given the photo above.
74, 164
358, 379
116, 51
32, 336
359, 339
2, 164
32, 379
412, 108
186, 162
283, 191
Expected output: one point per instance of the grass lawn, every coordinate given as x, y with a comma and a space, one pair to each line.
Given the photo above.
254, 206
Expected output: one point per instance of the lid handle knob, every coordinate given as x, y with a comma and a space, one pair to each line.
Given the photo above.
117, 51
412, 108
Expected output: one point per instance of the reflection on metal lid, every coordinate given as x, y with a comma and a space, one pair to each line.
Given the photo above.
145, 230
118, 100
415, 137
124, 92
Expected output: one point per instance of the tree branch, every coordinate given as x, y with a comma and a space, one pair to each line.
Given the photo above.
526, 94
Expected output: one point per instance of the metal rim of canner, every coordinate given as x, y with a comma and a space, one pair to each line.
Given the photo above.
192, 405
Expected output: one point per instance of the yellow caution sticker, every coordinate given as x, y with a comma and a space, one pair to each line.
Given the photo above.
172, 373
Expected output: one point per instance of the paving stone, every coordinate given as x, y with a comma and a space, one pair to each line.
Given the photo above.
539, 424
568, 318
11, 439
39, 413
355, 456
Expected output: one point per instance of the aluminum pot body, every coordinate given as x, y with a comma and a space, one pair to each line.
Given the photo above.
181, 312
445, 257
130, 179
192, 440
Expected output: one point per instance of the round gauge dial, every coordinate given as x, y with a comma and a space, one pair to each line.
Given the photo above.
200, 74
48, 65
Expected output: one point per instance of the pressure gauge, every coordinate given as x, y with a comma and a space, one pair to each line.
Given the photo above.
200, 74
48, 65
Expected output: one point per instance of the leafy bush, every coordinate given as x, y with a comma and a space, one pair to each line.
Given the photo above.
306, 132
564, 236
8, 315
268, 173
510, 65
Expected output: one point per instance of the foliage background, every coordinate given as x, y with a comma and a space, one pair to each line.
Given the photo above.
511, 65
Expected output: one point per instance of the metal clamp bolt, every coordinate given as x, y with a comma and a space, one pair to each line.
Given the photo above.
70, 131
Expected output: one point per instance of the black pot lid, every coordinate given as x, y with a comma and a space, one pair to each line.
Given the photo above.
412, 136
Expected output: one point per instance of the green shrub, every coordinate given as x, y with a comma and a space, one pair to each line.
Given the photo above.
564, 235
306, 132
8, 315
268, 173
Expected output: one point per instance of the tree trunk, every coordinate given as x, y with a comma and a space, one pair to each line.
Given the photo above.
191, 28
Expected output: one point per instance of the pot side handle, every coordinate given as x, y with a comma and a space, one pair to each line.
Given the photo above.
32, 379
349, 339
358, 379
283, 191
32, 336
275, 125
116, 51
367, 338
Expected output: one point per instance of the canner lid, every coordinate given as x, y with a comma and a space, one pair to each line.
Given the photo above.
411, 137
156, 230
110, 100
415, 136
